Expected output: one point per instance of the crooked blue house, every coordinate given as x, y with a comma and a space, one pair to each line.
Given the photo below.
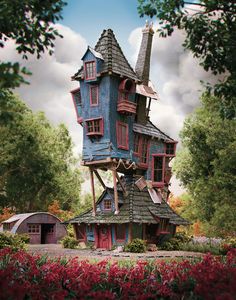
112, 103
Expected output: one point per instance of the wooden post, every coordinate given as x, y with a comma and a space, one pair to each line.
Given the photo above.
121, 184
130, 233
100, 179
115, 192
93, 190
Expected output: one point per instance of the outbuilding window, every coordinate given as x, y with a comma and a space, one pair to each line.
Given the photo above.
122, 135
90, 70
33, 228
94, 126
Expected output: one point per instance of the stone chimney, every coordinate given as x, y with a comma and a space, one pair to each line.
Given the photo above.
142, 67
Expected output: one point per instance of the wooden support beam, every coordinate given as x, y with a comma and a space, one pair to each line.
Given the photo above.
93, 190
115, 192
130, 233
121, 183
100, 179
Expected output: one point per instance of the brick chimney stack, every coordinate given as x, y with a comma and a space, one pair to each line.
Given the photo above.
142, 67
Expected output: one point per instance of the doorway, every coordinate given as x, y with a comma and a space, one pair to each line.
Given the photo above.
48, 234
104, 237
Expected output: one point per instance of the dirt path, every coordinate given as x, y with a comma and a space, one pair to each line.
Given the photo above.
56, 250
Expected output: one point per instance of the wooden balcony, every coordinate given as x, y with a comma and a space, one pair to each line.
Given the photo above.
126, 107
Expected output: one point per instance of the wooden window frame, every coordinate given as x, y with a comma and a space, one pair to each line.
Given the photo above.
90, 94
158, 183
79, 118
119, 240
36, 226
119, 135
94, 70
141, 163
106, 201
95, 133
172, 143
136, 135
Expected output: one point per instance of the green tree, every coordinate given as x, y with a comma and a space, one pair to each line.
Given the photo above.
207, 164
29, 24
210, 27
36, 160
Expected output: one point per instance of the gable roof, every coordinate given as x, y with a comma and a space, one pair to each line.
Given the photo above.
137, 207
151, 130
114, 59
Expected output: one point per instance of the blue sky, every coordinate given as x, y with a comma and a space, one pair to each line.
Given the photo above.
90, 17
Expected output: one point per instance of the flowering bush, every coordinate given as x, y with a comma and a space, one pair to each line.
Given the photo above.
13, 241
23, 276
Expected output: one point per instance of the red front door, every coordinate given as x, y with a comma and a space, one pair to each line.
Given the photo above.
104, 237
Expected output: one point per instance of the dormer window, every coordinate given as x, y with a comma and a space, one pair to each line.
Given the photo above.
94, 127
107, 204
90, 70
94, 95
170, 148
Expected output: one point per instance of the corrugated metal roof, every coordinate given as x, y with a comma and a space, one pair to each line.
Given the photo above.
151, 130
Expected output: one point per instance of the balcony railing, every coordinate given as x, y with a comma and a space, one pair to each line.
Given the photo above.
126, 107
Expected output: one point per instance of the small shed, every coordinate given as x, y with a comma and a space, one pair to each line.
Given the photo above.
42, 227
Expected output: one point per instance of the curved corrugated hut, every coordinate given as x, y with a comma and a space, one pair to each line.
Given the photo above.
42, 227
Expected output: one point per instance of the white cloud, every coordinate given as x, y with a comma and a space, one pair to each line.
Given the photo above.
50, 84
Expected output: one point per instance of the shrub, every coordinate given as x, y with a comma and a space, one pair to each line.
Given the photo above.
227, 245
69, 242
175, 242
25, 276
136, 246
13, 241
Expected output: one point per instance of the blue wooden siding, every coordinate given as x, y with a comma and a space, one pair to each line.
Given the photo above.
90, 233
113, 234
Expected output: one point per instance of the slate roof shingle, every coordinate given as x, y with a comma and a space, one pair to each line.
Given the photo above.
137, 207
114, 59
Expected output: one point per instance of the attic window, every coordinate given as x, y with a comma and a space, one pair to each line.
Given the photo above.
170, 148
94, 126
90, 70
107, 204
122, 135
94, 95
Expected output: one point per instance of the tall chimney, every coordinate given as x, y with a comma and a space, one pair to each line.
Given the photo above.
142, 67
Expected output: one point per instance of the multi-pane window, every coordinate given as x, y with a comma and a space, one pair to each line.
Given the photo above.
158, 168
170, 149
90, 70
94, 95
33, 228
122, 135
107, 204
120, 232
94, 126
144, 150
136, 143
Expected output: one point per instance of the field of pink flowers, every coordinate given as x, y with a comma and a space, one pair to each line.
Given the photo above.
25, 276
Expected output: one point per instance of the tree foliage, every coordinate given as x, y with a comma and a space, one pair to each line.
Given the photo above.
29, 24
207, 164
210, 28
36, 160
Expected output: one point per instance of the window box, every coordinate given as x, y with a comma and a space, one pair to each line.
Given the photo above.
94, 95
122, 131
90, 70
95, 127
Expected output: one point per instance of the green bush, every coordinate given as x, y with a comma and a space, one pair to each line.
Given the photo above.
227, 245
13, 241
69, 242
136, 246
203, 248
175, 243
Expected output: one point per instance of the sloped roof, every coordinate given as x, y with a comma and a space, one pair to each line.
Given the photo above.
137, 207
151, 130
114, 59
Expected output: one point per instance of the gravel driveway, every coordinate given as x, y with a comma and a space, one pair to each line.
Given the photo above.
56, 250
